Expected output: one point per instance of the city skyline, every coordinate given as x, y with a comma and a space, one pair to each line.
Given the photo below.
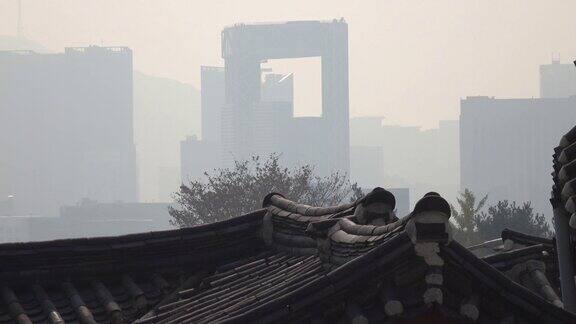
399, 49
300, 161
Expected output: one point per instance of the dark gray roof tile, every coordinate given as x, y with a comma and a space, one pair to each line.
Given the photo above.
319, 259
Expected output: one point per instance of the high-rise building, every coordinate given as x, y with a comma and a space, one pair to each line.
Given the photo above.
402, 196
212, 102
66, 128
506, 146
278, 87
245, 47
410, 157
165, 112
274, 122
197, 156
367, 165
244, 116
557, 80
273, 117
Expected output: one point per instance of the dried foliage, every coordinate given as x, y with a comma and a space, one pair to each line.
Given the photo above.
238, 190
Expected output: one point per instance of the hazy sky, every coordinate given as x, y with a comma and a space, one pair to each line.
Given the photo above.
410, 61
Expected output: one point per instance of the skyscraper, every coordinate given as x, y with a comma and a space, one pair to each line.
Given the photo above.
244, 47
278, 88
273, 117
506, 146
66, 129
212, 102
411, 157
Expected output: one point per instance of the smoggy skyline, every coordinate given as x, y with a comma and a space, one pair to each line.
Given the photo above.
410, 61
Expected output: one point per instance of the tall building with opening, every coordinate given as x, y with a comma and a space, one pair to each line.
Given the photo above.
272, 116
66, 128
246, 46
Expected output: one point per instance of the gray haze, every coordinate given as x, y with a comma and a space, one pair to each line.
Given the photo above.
410, 61
105, 106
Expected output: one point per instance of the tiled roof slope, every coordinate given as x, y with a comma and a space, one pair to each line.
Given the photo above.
114, 279
564, 176
323, 265
563, 202
286, 263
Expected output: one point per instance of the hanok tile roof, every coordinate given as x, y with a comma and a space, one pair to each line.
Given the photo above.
287, 262
564, 205
115, 279
564, 176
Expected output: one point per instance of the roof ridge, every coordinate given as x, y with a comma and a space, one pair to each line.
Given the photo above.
278, 200
246, 218
525, 238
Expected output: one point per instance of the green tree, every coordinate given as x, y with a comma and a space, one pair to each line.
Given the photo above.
465, 217
238, 190
509, 215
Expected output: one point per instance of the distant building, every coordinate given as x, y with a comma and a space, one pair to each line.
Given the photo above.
411, 157
402, 200
272, 118
67, 128
7, 205
278, 87
505, 146
86, 219
245, 46
197, 157
169, 180
91, 219
15, 228
557, 80
448, 158
246, 112
367, 165
165, 112
212, 102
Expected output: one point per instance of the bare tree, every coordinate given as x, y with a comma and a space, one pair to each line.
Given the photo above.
238, 190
